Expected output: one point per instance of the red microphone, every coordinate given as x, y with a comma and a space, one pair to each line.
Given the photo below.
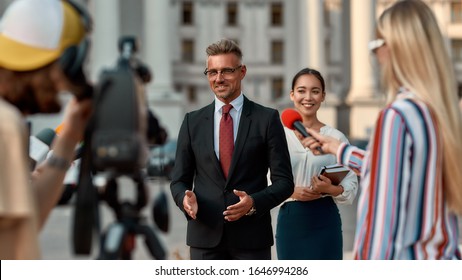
293, 120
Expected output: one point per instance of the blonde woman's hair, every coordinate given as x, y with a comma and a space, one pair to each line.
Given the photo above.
420, 62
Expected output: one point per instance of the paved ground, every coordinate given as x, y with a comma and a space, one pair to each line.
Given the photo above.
56, 242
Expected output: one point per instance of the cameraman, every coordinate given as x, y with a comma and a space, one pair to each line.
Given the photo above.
33, 37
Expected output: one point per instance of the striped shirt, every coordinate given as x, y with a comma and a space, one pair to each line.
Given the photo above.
402, 213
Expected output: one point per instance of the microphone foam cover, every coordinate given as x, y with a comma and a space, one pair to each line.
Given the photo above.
289, 117
46, 136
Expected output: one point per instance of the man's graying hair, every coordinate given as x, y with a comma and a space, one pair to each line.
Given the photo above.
224, 46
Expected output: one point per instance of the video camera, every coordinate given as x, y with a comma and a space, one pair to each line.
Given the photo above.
115, 145
119, 127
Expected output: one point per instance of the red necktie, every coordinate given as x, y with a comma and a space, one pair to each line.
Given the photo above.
226, 139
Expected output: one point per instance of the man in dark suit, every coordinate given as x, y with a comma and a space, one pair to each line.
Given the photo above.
228, 204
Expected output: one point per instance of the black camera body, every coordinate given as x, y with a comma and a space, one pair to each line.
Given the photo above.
119, 142
119, 139
115, 145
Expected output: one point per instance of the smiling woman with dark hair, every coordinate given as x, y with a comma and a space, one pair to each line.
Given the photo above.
309, 225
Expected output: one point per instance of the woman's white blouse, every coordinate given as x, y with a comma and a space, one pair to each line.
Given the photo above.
305, 164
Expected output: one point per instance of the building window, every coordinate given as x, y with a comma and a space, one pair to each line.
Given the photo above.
456, 12
232, 13
192, 94
187, 13
460, 90
456, 46
277, 14
277, 88
326, 16
327, 50
277, 52
187, 51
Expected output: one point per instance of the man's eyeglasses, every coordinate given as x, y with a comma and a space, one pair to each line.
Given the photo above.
375, 44
226, 72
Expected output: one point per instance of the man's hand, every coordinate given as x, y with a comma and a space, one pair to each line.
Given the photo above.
236, 211
190, 204
77, 85
76, 116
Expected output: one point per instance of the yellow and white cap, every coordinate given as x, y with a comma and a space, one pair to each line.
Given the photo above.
34, 33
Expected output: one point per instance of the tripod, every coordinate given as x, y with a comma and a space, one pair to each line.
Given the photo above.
118, 242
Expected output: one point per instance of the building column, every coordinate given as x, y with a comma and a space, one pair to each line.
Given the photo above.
363, 97
315, 36
163, 101
156, 46
313, 32
104, 36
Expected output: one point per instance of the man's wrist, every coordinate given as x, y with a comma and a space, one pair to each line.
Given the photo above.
58, 162
252, 209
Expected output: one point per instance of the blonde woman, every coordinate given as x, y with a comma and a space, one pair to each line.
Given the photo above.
411, 183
